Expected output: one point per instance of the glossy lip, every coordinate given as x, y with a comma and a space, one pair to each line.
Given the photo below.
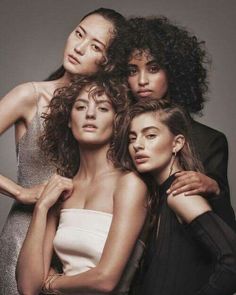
140, 158
74, 60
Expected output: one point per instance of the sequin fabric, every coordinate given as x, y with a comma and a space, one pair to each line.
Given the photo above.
32, 169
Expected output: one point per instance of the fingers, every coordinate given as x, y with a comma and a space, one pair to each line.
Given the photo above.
185, 181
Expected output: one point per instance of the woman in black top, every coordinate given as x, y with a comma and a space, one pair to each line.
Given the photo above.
191, 250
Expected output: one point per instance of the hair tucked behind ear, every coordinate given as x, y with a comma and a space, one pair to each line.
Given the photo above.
177, 121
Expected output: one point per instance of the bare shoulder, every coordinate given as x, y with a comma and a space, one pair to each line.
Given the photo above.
131, 186
188, 207
23, 93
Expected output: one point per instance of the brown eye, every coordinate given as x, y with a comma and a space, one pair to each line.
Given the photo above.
132, 139
151, 136
132, 71
154, 69
96, 48
78, 34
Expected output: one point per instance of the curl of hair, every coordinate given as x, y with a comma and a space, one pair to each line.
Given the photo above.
177, 121
57, 140
179, 53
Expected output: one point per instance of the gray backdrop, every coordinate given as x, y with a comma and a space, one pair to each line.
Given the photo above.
33, 33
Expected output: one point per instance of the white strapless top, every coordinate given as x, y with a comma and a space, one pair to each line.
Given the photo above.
80, 239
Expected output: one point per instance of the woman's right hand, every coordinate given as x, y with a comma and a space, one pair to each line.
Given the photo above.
57, 187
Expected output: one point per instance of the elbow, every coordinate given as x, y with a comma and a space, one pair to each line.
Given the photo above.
25, 287
106, 283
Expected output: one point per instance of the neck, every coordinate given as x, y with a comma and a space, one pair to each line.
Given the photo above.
65, 79
161, 176
94, 162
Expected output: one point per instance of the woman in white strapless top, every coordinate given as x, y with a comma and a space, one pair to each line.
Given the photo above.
92, 221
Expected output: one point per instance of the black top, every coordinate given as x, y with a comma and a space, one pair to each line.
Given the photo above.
183, 259
212, 149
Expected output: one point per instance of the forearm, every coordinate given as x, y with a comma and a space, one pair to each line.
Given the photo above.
220, 241
94, 280
30, 267
9, 188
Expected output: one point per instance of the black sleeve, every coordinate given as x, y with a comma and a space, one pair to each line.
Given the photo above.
216, 163
219, 240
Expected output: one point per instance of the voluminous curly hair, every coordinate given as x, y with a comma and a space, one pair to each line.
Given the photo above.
57, 140
179, 53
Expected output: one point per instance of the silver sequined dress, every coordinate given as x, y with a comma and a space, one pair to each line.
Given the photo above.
32, 169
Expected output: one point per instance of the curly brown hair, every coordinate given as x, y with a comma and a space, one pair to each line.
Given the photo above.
57, 140
179, 53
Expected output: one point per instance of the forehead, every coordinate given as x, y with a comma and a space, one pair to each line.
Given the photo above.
98, 27
140, 56
146, 120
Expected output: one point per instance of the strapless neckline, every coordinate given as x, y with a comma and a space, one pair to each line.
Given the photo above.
85, 210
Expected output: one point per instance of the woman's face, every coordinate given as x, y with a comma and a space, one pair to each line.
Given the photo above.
86, 46
151, 145
145, 77
92, 118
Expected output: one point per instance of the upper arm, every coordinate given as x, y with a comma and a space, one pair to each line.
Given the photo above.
188, 208
52, 223
16, 105
129, 214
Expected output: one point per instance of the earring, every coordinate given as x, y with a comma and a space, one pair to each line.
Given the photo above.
174, 153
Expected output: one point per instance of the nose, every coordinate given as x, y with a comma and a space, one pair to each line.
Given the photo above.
91, 111
143, 79
138, 144
81, 47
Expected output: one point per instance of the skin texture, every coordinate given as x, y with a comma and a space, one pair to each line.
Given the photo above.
125, 198
87, 43
145, 77
151, 139
147, 80
152, 146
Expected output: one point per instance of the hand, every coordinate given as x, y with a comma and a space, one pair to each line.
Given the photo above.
56, 188
30, 195
192, 183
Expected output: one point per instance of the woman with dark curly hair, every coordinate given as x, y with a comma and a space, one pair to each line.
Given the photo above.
89, 48
191, 250
166, 61
85, 219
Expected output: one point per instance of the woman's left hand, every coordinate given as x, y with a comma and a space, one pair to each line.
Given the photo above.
192, 183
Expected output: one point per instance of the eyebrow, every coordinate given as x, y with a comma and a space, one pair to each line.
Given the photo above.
97, 101
153, 61
145, 129
95, 39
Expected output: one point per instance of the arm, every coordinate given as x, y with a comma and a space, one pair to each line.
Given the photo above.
129, 214
36, 253
18, 105
215, 236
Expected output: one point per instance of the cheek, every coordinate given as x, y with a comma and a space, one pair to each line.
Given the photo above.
132, 83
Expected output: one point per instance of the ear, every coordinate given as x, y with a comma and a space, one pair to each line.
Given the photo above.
178, 143
69, 123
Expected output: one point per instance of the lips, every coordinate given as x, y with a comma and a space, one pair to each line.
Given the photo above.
144, 92
140, 158
89, 127
73, 59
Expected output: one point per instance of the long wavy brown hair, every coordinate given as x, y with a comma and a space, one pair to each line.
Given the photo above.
177, 121
57, 140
